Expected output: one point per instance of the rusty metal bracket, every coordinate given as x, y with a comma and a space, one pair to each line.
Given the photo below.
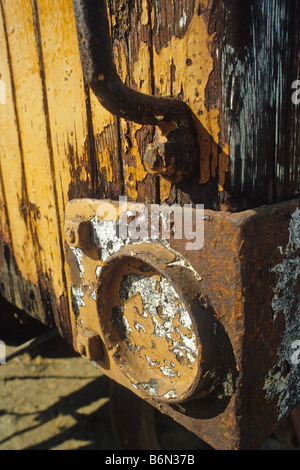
211, 336
174, 152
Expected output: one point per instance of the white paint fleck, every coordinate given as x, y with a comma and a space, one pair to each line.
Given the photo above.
180, 261
98, 271
288, 271
139, 327
127, 326
77, 253
182, 21
168, 371
93, 295
151, 362
77, 293
170, 394
95, 364
151, 387
105, 237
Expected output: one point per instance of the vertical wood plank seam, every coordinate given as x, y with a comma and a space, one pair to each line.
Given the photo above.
120, 159
91, 142
152, 79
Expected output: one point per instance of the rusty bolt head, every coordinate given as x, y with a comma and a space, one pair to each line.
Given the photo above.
78, 233
154, 160
172, 155
70, 236
89, 345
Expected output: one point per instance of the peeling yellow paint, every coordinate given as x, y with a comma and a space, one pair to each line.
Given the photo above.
192, 61
101, 117
193, 64
105, 163
165, 188
83, 174
133, 172
120, 59
65, 89
34, 138
142, 70
191, 79
144, 15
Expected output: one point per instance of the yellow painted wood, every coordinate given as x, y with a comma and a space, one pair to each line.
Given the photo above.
12, 172
64, 91
38, 182
4, 231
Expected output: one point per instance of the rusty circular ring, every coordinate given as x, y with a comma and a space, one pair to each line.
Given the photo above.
160, 262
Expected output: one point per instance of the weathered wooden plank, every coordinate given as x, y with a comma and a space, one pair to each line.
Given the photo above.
234, 62
255, 51
38, 198
18, 266
72, 146
182, 64
67, 103
289, 155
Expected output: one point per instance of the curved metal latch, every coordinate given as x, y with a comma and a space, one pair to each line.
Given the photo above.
174, 152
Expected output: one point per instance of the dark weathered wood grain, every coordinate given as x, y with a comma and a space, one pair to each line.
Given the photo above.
256, 55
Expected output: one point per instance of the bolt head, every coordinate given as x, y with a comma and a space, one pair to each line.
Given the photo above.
88, 344
78, 233
70, 235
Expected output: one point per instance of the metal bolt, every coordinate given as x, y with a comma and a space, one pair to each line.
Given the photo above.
78, 232
70, 236
89, 345
173, 154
